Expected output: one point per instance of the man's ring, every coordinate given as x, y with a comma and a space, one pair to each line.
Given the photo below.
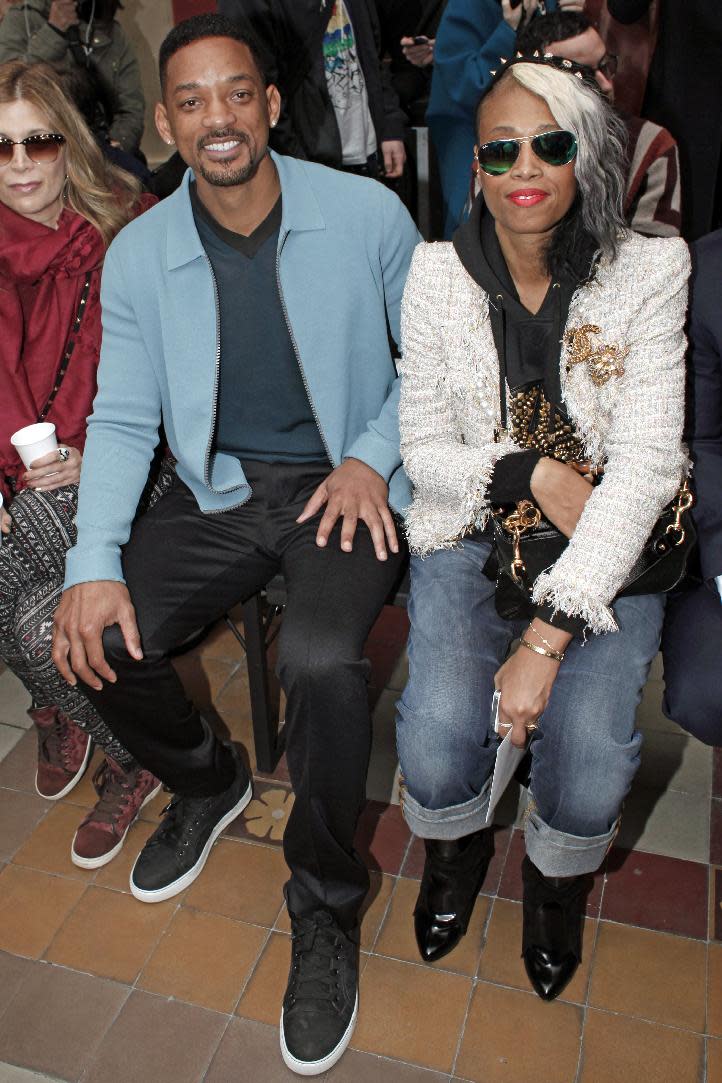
532, 726
63, 454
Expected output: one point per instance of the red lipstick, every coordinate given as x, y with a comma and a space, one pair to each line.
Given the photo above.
527, 197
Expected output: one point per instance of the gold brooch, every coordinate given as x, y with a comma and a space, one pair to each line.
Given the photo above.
603, 361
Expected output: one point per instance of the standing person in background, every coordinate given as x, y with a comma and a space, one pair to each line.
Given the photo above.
408, 33
684, 91
338, 105
61, 203
472, 36
692, 639
86, 35
653, 192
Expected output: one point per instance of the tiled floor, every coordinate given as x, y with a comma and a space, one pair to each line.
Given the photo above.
97, 987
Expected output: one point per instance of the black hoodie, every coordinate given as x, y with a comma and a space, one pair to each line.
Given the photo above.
529, 346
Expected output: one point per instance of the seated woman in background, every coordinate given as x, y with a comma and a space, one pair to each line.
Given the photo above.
61, 203
543, 348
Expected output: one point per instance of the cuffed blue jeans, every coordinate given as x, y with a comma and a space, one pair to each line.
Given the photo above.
586, 751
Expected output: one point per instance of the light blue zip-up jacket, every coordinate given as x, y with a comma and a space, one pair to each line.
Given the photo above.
344, 250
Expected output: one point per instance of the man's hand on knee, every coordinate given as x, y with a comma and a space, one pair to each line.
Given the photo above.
85, 611
354, 491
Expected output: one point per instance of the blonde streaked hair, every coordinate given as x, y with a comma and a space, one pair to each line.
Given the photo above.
600, 163
95, 188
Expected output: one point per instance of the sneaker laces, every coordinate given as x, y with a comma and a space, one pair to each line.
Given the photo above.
181, 816
317, 951
56, 743
113, 787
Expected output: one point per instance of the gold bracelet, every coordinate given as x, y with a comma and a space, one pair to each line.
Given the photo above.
549, 646
558, 656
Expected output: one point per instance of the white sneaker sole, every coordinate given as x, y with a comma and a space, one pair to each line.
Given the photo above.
318, 1067
184, 881
74, 780
98, 862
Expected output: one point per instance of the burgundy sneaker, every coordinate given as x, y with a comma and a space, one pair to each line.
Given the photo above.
64, 750
122, 795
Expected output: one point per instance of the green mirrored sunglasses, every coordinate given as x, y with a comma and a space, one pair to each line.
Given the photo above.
553, 148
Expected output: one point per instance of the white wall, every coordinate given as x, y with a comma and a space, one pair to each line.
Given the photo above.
146, 22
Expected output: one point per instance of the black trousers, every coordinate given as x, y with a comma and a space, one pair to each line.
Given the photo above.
691, 648
185, 569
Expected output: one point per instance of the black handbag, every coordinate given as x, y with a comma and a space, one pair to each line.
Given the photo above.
527, 544
661, 565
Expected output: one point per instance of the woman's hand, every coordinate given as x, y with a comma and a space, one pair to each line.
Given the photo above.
50, 472
5, 521
513, 15
526, 680
561, 493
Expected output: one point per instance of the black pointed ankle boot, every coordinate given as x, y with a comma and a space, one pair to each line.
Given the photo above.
552, 939
453, 874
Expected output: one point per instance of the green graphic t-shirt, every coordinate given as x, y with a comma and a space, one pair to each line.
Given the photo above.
347, 89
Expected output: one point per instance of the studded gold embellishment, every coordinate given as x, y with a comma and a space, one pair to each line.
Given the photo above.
603, 361
538, 425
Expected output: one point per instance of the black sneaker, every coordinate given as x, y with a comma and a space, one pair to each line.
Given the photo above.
321, 1001
176, 852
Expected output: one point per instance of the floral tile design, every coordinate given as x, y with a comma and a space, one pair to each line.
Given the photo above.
265, 817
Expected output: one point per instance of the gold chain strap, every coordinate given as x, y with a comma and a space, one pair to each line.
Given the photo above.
525, 517
683, 502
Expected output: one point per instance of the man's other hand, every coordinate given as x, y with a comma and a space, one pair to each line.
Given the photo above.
353, 491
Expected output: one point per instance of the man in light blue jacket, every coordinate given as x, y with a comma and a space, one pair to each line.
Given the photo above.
250, 314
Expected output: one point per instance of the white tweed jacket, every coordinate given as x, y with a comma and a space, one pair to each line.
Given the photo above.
449, 411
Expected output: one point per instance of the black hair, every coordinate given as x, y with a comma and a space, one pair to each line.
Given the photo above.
572, 250
542, 30
199, 27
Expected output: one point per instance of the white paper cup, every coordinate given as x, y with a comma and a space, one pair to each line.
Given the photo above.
34, 441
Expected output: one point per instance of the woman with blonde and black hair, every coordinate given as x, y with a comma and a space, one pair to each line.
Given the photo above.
61, 204
541, 403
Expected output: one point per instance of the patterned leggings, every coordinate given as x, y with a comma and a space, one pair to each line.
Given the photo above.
32, 570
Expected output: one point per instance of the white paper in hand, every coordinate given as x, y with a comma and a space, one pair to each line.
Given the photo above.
508, 758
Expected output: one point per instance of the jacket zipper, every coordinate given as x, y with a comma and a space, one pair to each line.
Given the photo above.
214, 413
298, 355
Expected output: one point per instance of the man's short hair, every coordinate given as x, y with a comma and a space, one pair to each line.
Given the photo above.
208, 26
542, 30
